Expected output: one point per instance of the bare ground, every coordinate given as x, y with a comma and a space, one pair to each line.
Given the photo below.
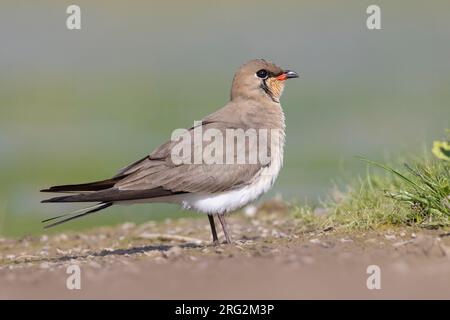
273, 258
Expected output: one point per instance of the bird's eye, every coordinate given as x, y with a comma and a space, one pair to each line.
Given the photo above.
262, 74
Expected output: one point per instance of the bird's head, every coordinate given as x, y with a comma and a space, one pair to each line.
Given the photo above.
259, 78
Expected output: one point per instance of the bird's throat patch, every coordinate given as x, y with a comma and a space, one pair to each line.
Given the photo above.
275, 87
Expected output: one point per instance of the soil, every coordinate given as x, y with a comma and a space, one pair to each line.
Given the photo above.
273, 257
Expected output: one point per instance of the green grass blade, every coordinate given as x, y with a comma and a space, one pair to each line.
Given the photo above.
389, 169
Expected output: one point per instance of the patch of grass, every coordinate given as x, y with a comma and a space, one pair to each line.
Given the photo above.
417, 195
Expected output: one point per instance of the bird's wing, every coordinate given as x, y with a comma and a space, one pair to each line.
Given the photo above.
160, 170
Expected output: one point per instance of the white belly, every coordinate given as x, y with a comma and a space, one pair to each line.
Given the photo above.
227, 201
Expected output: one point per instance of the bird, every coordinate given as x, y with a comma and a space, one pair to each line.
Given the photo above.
214, 189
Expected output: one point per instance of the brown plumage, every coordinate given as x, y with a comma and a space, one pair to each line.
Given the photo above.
255, 93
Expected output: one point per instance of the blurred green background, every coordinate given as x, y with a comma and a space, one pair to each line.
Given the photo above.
76, 106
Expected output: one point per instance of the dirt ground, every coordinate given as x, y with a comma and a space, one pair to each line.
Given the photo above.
273, 258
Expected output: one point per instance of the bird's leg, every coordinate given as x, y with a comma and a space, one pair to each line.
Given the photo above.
213, 230
224, 227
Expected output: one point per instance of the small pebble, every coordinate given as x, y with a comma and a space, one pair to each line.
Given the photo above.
250, 211
219, 250
173, 252
127, 226
59, 251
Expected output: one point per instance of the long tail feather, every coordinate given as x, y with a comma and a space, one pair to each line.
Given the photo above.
91, 186
76, 214
82, 210
112, 195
